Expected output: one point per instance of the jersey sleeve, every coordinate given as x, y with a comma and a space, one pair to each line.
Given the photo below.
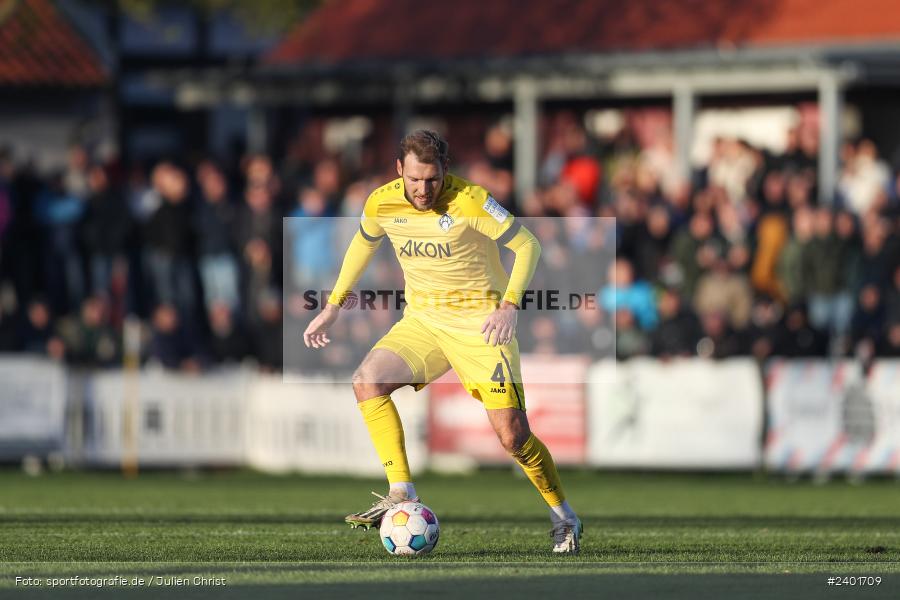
487, 216
369, 227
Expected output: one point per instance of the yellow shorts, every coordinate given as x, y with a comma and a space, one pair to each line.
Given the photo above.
491, 374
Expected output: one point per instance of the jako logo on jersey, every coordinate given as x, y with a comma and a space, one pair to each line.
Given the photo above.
446, 221
429, 249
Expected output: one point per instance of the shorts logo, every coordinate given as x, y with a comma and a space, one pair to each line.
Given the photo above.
445, 222
493, 208
499, 390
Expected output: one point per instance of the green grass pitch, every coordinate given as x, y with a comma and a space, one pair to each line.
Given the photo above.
647, 536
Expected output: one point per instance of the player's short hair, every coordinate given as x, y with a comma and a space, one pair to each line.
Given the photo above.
428, 146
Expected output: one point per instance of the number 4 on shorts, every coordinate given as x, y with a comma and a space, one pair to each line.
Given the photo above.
498, 374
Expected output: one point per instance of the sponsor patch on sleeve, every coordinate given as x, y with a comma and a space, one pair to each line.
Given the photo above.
493, 208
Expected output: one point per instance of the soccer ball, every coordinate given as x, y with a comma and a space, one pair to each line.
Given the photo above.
410, 529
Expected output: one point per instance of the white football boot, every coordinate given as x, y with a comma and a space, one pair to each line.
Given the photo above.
567, 536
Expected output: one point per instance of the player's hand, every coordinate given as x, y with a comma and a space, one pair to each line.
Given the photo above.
500, 326
316, 335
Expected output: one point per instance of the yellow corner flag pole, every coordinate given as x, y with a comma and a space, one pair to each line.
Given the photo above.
131, 358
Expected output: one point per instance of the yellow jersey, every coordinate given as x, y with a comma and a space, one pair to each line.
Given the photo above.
449, 254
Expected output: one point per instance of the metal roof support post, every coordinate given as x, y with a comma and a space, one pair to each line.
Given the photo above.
257, 129
684, 107
830, 106
525, 136
403, 104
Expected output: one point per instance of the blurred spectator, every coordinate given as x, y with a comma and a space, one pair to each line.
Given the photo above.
832, 259
771, 236
878, 256
571, 162
105, 229
892, 298
652, 244
796, 338
730, 167
868, 321
765, 328
623, 293
214, 230
6, 176
686, 251
228, 341
588, 333
24, 235
678, 330
258, 237
89, 339
631, 341
797, 260
168, 238
890, 344
327, 181
9, 335
718, 339
864, 177
58, 213
38, 335
76, 179
312, 232
724, 291
498, 148
170, 344
269, 332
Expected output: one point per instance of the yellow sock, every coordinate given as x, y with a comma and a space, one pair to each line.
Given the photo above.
535, 460
386, 432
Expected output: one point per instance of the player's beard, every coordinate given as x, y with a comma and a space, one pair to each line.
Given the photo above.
431, 199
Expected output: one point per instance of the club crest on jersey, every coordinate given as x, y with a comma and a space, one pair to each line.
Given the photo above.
445, 222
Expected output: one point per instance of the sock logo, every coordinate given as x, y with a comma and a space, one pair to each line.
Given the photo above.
387, 464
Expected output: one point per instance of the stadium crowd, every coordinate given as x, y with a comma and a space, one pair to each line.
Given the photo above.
741, 260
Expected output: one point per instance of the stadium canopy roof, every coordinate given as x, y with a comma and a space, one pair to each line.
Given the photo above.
345, 32
39, 47
358, 51
409, 53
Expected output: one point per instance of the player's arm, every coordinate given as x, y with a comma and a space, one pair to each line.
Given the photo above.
500, 325
360, 252
528, 251
494, 221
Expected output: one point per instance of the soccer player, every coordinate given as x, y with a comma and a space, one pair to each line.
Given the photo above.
460, 314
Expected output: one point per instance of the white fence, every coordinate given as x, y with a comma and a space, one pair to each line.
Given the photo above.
687, 414
808, 417
828, 417
32, 406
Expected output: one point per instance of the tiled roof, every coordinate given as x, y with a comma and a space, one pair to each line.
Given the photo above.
343, 31
39, 47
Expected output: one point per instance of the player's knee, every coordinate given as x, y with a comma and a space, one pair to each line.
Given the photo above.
513, 441
366, 384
